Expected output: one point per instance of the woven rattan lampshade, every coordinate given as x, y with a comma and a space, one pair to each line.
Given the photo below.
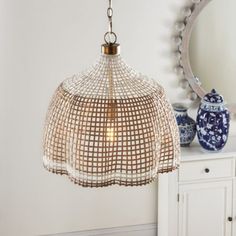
110, 125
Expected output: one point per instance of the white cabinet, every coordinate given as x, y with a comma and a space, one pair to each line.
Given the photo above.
234, 208
204, 209
200, 198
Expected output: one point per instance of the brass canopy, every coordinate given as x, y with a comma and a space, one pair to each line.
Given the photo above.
111, 49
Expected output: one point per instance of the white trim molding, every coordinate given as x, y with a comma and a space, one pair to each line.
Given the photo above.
134, 230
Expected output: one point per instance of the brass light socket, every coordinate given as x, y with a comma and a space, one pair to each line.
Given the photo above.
111, 49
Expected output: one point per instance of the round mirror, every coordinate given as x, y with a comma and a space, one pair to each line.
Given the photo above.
212, 48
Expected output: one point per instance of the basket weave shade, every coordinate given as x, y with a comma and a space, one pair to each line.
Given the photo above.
110, 125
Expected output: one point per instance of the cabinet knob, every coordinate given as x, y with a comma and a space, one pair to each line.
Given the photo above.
207, 170
230, 219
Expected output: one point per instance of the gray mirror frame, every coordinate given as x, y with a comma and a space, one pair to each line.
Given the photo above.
184, 30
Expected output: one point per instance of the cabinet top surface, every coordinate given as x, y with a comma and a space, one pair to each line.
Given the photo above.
196, 153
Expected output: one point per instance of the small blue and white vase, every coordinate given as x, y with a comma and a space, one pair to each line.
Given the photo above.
213, 121
187, 126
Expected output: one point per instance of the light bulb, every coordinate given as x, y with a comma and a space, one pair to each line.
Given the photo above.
111, 131
111, 120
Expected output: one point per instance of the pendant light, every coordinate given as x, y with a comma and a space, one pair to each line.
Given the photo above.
110, 125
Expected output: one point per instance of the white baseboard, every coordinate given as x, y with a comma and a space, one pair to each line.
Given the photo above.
136, 230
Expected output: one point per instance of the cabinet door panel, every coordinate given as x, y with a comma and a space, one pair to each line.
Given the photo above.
234, 208
204, 209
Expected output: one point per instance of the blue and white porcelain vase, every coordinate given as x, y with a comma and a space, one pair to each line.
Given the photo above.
213, 122
187, 126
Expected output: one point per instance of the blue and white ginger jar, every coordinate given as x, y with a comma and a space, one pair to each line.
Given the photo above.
187, 126
213, 122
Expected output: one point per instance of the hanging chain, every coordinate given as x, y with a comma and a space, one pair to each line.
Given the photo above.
110, 15
110, 37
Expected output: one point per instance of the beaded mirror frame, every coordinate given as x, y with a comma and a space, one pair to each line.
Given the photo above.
183, 28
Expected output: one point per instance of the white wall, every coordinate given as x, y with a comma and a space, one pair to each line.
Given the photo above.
41, 43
